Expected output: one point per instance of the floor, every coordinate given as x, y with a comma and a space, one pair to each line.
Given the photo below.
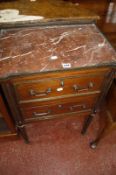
58, 148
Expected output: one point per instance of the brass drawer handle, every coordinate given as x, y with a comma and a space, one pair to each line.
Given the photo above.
35, 93
78, 88
36, 114
83, 106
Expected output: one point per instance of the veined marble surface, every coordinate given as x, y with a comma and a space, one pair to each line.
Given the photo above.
42, 49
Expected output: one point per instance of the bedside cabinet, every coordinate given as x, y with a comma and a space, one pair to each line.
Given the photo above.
55, 71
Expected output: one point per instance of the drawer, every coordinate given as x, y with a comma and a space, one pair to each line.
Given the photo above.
44, 110
55, 87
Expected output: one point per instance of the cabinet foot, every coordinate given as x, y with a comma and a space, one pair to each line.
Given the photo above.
93, 145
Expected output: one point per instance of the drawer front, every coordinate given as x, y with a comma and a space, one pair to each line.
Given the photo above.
50, 88
47, 109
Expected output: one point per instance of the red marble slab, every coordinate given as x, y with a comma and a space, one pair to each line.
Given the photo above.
41, 49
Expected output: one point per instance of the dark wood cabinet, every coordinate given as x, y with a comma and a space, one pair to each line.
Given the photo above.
54, 71
55, 66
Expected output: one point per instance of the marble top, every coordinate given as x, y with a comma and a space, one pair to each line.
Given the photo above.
51, 48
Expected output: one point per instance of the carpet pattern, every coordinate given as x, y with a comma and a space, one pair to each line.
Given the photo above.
57, 148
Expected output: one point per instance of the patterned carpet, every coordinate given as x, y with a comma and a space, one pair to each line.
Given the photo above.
57, 148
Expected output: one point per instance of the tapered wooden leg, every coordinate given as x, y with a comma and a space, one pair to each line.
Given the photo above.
106, 131
94, 143
110, 126
87, 123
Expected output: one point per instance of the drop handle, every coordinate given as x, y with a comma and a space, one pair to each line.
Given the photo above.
41, 93
83, 106
78, 88
36, 114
